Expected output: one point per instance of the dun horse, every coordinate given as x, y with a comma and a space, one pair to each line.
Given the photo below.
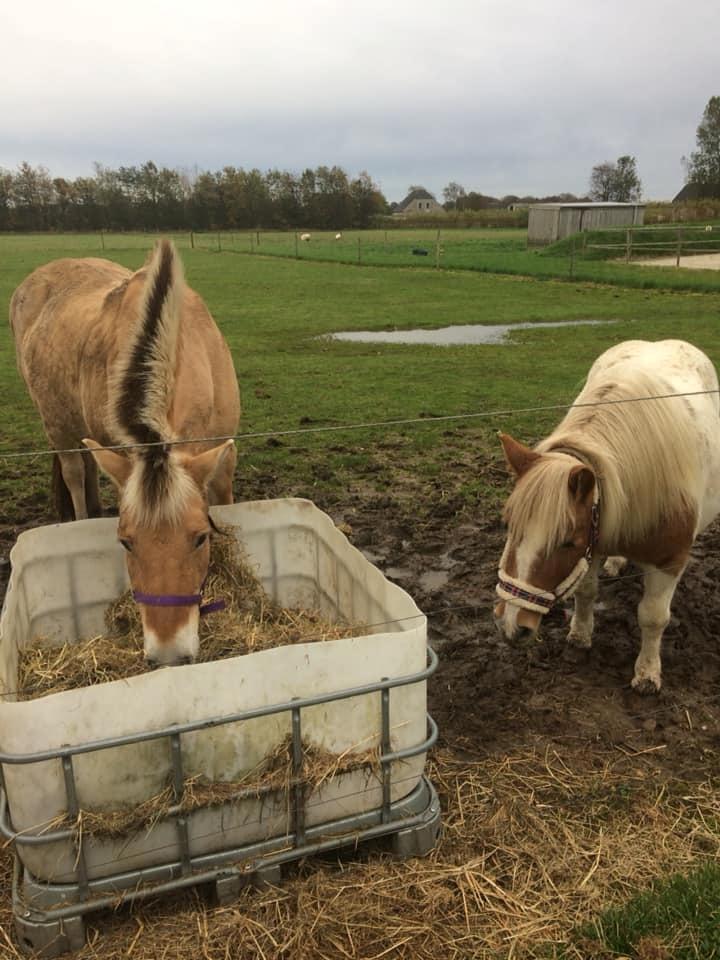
114, 357
635, 479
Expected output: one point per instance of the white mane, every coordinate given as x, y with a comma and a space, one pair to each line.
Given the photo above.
645, 456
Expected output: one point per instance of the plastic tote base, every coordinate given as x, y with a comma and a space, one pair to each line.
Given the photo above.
49, 919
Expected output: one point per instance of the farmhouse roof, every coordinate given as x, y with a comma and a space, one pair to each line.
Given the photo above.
698, 191
420, 194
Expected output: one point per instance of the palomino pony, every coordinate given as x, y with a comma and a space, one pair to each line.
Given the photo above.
634, 479
135, 358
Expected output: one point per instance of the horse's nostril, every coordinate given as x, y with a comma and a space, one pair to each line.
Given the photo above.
524, 634
152, 664
183, 661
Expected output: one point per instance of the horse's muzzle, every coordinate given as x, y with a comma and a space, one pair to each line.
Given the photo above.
154, 664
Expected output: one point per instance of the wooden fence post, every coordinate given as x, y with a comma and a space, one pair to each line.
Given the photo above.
679, 248
572, 256
192, 240
628, 245
257, 237
218, 244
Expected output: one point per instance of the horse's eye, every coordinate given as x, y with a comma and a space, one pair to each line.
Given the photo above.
127, 544
200, 540
568, 545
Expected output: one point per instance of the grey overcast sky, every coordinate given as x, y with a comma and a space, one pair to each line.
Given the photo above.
503, 96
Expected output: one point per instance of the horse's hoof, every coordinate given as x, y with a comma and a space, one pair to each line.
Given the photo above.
576, 654
579, 641
645, 686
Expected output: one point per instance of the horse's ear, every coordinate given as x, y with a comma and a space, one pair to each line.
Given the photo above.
519, 457
203, 466
117, 467
581, 483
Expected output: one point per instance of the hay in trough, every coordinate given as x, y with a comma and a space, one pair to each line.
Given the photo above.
276, 775
251, 621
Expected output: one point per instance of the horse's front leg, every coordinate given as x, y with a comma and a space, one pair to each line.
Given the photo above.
653, 617
72, 475
581, 625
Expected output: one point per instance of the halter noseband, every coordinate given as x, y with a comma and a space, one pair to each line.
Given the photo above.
179, 600
525, 595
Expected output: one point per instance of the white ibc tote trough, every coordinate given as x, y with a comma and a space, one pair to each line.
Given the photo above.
114, 745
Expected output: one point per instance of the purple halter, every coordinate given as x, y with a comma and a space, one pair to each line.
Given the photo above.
178, 600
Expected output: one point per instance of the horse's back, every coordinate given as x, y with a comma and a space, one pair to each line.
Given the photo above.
72, 320
42, 299
674, 363
677, 369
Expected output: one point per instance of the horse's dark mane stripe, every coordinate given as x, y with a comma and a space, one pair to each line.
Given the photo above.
132, 395
132, 398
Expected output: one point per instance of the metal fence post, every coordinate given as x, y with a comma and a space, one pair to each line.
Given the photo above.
298, 789
385, 749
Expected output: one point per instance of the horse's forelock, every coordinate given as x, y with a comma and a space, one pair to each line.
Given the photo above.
541, 500
159, 489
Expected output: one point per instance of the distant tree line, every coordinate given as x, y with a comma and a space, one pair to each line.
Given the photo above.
153, 198
457, 199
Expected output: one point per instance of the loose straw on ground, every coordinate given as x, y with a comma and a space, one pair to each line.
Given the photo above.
533, 844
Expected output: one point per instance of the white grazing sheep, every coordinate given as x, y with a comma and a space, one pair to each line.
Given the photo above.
304, 236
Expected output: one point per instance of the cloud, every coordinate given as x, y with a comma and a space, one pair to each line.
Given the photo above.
502, 95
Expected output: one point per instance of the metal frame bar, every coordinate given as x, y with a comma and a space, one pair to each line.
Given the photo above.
140, 885
302, 840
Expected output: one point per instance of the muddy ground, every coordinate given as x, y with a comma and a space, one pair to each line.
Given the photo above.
491, 697
499, 708
488, 696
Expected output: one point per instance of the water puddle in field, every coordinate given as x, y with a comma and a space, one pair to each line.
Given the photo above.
472, 333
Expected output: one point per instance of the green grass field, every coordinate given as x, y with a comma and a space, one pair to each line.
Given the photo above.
275, 309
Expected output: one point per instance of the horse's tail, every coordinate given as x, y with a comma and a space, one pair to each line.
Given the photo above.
60, 492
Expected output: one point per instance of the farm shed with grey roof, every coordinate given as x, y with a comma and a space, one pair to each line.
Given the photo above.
548, 222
